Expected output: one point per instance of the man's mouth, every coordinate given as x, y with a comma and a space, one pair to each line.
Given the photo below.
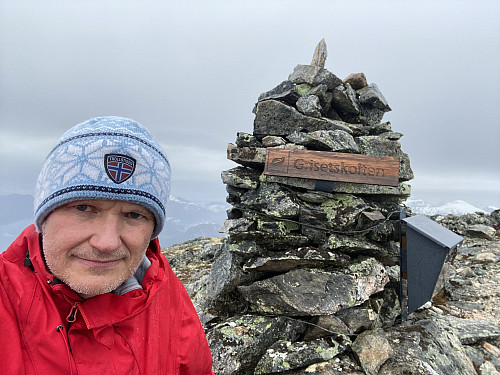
98, 263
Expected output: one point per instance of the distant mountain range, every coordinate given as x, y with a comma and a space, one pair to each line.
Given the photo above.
188, 220
185, 220
457, 208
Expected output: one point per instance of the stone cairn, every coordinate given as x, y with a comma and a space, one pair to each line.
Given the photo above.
303, 271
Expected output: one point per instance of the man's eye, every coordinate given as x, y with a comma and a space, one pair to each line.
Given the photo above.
82, 207
134, 215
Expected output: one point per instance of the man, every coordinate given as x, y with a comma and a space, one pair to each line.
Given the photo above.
86, 290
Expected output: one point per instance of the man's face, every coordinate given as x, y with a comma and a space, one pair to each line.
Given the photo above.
95, 245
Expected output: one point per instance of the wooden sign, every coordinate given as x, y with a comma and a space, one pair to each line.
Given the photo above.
332, 166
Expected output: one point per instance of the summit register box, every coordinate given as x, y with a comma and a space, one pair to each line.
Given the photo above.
425, 246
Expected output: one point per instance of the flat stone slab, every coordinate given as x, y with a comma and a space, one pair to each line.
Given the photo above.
302, 292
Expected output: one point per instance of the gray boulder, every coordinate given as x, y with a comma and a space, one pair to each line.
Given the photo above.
286, 92
314, 75
225, 274
471, 331
273, 141
423, 346
345, 102
284, 356
335, 213
241, 224
275, 118
302, 292
247, 140
239, 342
239, 177
370, 116
273, 200
253, 157
326, 140
371, 96
295, 258
481, 231
309, 105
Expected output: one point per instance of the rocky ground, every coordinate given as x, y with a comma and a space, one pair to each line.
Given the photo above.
457, 333
472, 289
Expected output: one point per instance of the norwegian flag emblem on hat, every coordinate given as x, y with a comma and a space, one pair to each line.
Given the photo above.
119, 168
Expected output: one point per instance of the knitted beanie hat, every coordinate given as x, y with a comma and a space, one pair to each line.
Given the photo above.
105, 158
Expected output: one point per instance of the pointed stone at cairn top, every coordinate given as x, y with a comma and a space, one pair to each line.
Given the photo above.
320, 54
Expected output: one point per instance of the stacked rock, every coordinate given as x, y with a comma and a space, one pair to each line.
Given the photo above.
306, 261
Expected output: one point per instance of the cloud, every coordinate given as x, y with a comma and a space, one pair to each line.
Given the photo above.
196, 163
191, 72
452, 182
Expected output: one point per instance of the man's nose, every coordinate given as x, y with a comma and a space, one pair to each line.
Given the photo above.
106, 236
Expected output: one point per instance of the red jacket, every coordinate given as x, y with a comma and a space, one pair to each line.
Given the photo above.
151, 331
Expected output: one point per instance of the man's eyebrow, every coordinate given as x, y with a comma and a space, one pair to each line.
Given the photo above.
82, 202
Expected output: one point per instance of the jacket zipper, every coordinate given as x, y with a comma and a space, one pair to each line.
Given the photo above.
71, 318
60, 329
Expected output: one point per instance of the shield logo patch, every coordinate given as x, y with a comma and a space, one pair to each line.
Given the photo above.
119, 168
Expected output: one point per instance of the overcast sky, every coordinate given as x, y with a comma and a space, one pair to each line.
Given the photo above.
191, 71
